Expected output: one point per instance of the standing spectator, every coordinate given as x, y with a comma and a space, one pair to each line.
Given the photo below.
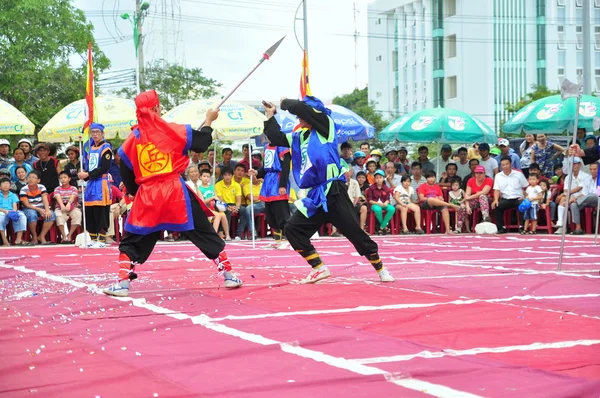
402, 161
73, 165
506, 150
581, 131
194, 159
9, 211
508, 191
417, 179
443, 160
525, 150
35, 202
359, 162
474, 152
27, 147
462, 165
426, 165
256, 163
97, 157
19, 161
365, 147
431, 198
472, 164
47, 166
346, 149
257, 159
358, 200
391, 155
404, 195
588, 198
392, 180
378, 199
542, 154
372, 167
5, 158
114, 169
534, 194
227, 155
490, 164
66, 207
21, 173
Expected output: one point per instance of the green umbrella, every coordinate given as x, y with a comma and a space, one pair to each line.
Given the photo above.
552, 115
438, 125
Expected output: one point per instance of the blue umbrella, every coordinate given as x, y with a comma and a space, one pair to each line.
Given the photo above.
350, 125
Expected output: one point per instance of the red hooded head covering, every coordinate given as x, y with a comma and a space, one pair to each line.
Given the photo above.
151, 126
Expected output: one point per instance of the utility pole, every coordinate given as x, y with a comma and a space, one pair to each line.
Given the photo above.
140, 45
305, 27
355, 49
587, 48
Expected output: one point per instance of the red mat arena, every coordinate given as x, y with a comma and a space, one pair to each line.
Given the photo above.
468, 316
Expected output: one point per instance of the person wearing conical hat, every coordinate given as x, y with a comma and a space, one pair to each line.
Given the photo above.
153, 158
316, 169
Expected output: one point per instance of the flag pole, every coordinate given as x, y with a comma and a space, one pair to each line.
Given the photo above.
82, 184
567, 86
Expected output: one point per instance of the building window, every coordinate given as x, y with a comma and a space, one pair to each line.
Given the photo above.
579, 59
597, 36
378, 21
449, 8
394, 60
597, 78
561, 16
451, 87
597, 3
541, 47
561, 37
414, 18
378, 58
579, 36
561, 76
561, 2
450, 46
378, 94
578, 16
597, 58
562, 58
395, 98
578, 3
579, 72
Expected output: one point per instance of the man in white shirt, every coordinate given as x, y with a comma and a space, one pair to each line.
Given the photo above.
508, 190
490, 164
440, 163
586, 197
392, 180
417, 179
463, 163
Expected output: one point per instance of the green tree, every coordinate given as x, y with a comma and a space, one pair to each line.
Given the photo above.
175, 84
358, 102
38, 39
537, 93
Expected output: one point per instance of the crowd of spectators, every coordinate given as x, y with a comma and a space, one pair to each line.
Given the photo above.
390, 192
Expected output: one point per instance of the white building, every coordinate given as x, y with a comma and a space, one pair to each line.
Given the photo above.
474, 55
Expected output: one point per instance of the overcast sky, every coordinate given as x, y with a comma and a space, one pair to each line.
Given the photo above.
227, 37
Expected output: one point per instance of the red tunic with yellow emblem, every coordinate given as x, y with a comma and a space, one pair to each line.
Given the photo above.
162, 201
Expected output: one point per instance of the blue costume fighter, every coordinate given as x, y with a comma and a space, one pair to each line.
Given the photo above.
97, 156
316, 168
275, 188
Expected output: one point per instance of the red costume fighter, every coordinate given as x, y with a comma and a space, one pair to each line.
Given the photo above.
152, 159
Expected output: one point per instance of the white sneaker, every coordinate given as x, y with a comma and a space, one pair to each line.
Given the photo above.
316, 275
99, 245
283, 245
385, 276
558, 231
119, 289
237, 238
231, 280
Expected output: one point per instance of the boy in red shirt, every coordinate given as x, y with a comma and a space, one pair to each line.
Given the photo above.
431, 198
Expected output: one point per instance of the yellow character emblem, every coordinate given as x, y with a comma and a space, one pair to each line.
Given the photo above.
152, 161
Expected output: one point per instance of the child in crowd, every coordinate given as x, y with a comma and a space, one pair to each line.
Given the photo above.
21, 173
372, 167
9, 211
534, 194
34, 199
66, 207
547, 198
378, 198
207, 192
403, 194
457, 197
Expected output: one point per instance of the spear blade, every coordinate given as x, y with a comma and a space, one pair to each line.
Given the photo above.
269, 53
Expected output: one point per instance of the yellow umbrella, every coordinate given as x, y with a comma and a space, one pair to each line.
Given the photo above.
236, 121
116, 114
13, 122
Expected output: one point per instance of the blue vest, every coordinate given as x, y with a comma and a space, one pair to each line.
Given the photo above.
272, 166
315, 165
97, 191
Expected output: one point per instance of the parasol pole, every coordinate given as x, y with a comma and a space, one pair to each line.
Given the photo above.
252, 230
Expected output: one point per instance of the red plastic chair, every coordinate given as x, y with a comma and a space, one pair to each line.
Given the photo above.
508, 216
371, 223
547, 218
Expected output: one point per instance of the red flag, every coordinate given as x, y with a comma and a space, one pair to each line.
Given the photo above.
304, 84
89, 97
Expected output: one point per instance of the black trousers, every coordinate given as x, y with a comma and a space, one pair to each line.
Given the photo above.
277, 214
139, 247
503, 205
96, 218
341, 214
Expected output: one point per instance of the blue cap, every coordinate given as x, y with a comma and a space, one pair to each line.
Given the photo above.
359, 154
380, 172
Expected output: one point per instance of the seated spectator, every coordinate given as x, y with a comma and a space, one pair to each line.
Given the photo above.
378, 199
404, 195
21, 173
258, 207
239, 175
359, 162
66, 207
357, 196
508, 191
230, 193
547, 199
35, 202
402, 162
73, 166
576, 181
227, 155
449, 176
206, 191
361, 178
477, 195
372, 167
445, 158
4, 173
431, 198
47, 166
472, 164
587, 198
19, 161
417, 179
9, 211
